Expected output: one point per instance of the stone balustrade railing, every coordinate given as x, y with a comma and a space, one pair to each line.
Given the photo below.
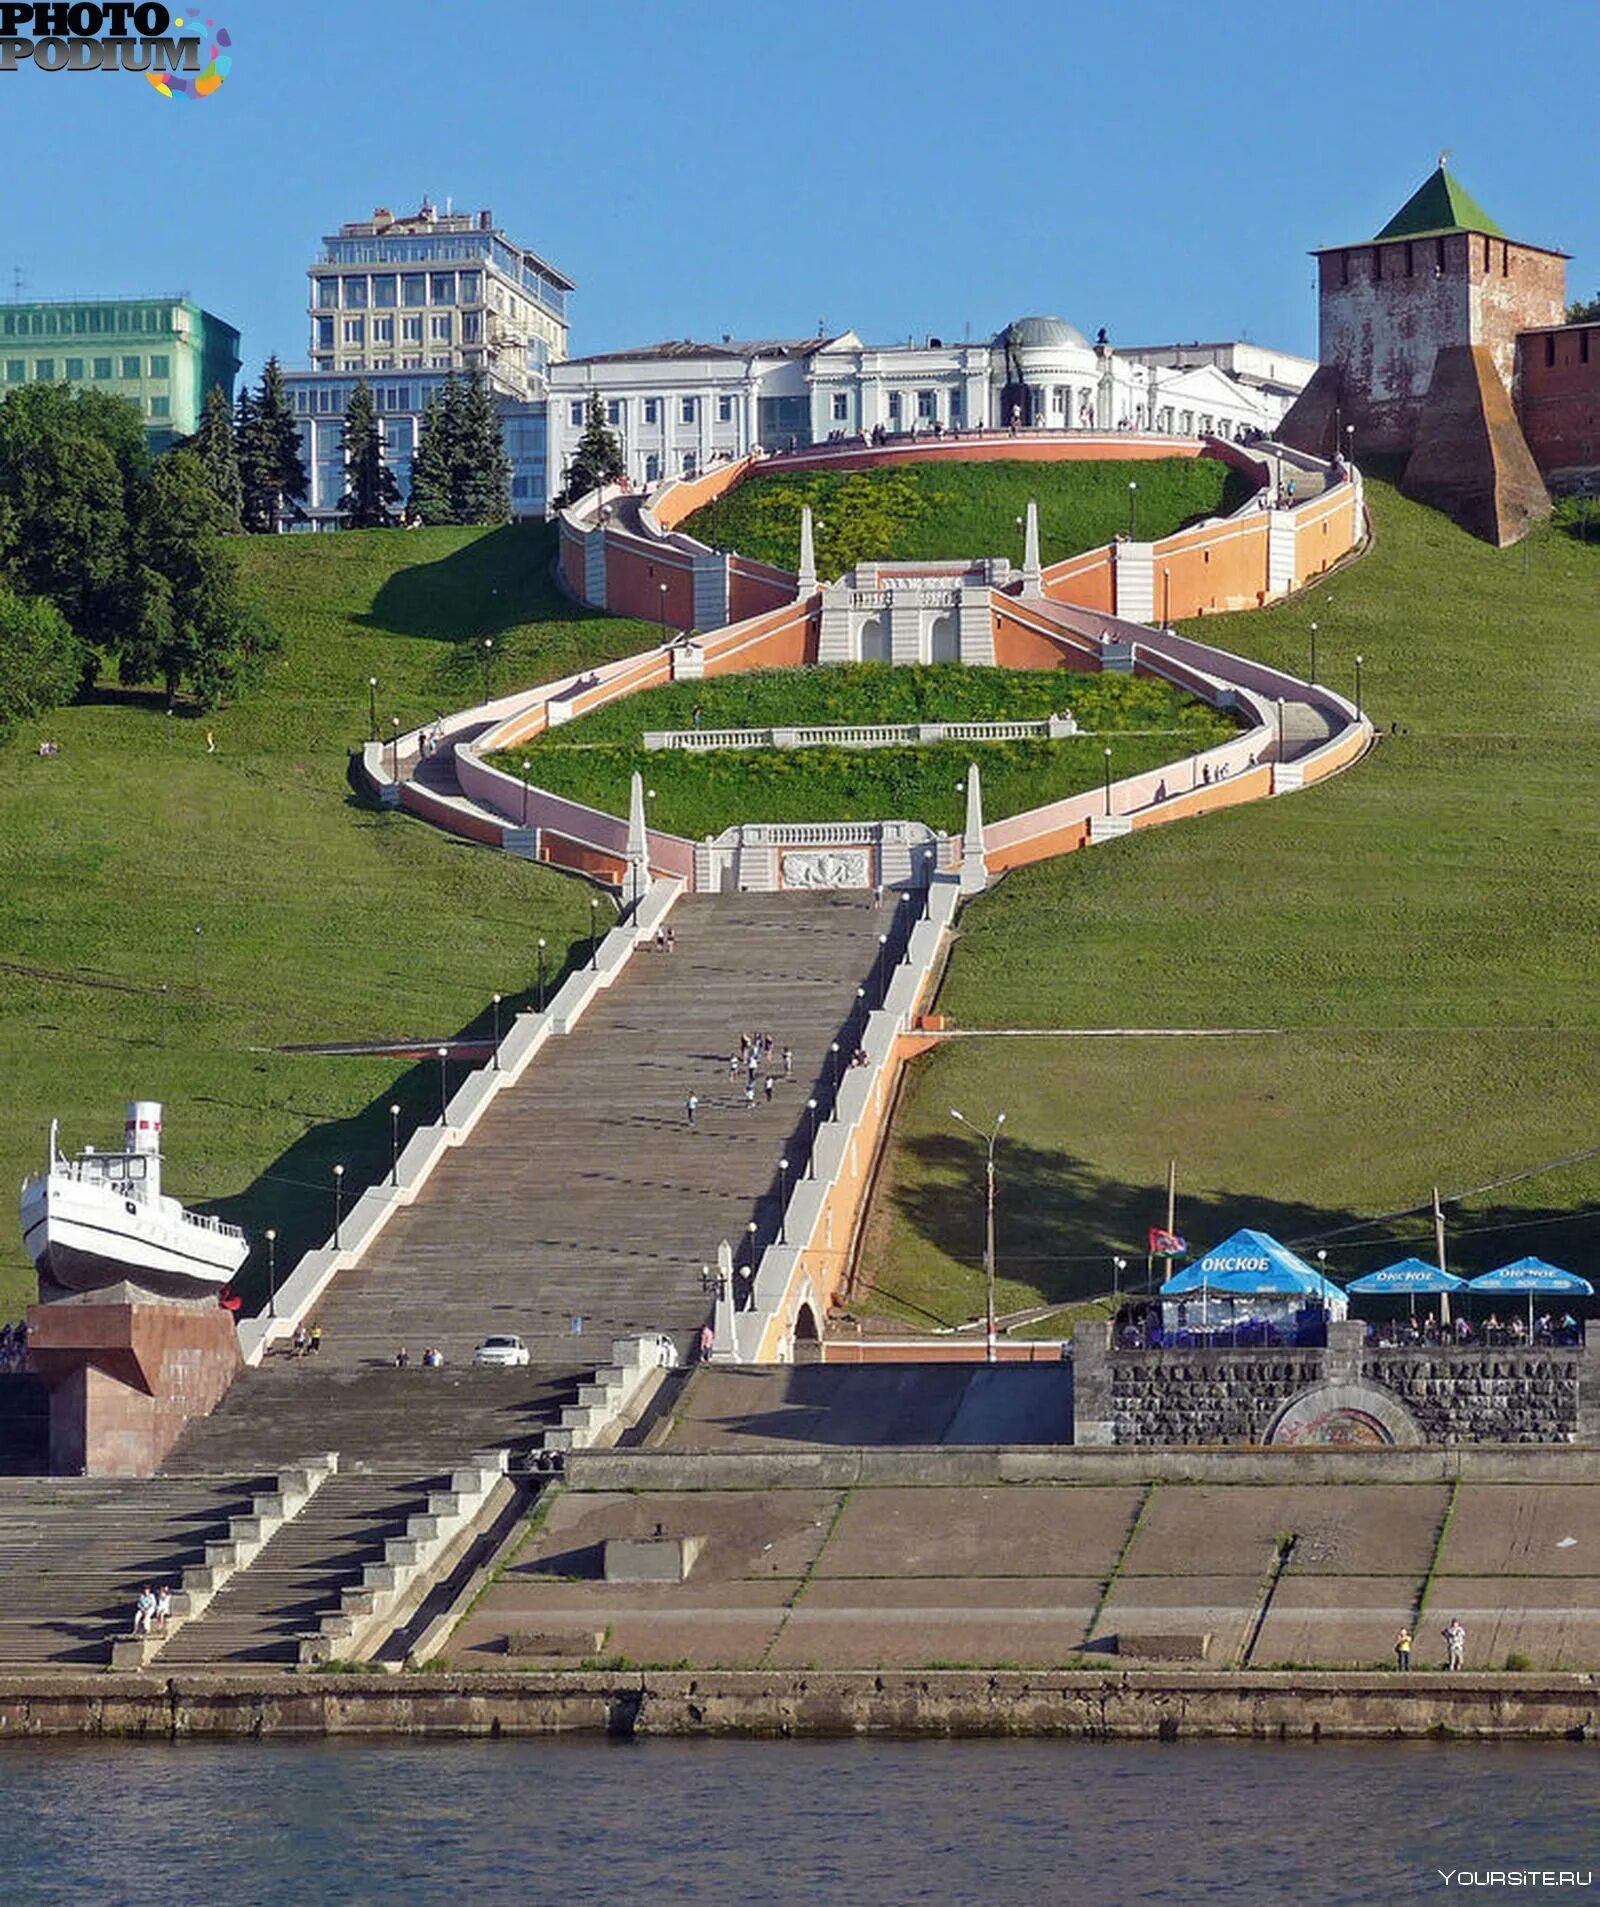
1053, 728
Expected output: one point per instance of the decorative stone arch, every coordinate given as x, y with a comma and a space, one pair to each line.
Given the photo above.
873, 641
807, 1335
944, 637
1361, 1414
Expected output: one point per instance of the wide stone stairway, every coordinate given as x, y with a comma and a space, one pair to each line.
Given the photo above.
75, 1552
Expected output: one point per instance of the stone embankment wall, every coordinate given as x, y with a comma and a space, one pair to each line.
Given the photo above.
1205, 1397
1484, 1396
1082, 1703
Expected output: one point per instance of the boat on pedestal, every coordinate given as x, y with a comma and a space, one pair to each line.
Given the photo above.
101, 1219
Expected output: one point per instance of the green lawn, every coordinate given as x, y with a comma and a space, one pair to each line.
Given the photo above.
904, 511
592, 760
1423, 930
319, 918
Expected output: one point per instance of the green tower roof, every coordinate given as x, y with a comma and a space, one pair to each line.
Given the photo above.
1439, 204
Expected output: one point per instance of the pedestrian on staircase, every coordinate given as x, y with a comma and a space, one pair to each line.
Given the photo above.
163, 1607
691, 1106
767, 1085
316, 1337
788, 1062
750, 1092
144, 1611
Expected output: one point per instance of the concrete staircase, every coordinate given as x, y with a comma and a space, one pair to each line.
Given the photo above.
75, 1552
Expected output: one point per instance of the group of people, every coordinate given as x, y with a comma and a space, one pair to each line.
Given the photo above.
759, 1062
307, 1340
432, 1359
666, 940
1390, 1333
152, 1610
1455, 1645
13, 1347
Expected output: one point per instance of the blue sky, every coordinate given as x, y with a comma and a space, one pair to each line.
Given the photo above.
899, 166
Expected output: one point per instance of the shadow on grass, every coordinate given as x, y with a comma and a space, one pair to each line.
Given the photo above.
1059, 1223
295, 1194
497, 582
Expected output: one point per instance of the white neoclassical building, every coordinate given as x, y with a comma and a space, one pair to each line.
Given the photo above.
681, 405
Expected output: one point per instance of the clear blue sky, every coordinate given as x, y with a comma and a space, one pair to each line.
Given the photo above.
897, 166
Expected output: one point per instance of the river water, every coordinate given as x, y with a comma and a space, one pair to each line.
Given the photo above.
236, 1824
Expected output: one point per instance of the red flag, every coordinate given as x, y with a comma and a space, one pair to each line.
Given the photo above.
1166, 1244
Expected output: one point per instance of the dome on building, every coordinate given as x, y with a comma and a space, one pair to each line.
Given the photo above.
1040, 333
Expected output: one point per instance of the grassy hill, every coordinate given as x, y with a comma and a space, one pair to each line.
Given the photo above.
1422, 930
594, 759
318, 919
909, 510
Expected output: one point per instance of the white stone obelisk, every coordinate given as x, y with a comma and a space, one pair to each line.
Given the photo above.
808, 552
974, 866
1032, 573
638, 843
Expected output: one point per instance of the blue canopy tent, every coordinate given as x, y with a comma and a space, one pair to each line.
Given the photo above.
1533, 1275
1405, 1279
1252, 1269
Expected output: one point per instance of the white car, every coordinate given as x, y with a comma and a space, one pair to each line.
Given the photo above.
503, 1349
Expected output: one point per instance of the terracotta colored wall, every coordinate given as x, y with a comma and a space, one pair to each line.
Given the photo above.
674, 502
1039, 847
783, 639
1017, 645
1324, 531
572, 560
1213, 566
997, 447
1088, 580
561, 851
452, 820
754, 588
1558, 396
634, 575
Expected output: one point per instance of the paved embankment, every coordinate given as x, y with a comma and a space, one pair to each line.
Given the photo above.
1286, 1706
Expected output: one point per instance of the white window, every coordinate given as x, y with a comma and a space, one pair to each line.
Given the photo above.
575, 412
440, 327
724, 410
686, 410
614, 411
688, 458
383, 331
955, 406
927, 404
894, 407
411, 330
441, 363
652, 467
355, 330
841, 407
652, 410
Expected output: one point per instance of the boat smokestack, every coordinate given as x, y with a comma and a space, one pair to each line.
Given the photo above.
142, 1132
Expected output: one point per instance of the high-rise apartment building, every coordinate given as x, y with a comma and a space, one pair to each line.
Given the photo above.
161, 354
406, 303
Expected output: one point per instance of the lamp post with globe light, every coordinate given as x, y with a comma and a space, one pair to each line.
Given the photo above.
990, 1139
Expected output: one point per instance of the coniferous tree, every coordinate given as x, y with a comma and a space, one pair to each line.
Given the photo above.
481, 486
216, 445
269, 452
371, 493
598, 458
430, 500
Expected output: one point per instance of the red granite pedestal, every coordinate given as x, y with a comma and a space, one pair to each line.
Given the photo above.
125, 1377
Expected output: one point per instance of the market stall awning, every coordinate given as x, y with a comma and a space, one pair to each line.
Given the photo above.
1252, 1264
1534, 1274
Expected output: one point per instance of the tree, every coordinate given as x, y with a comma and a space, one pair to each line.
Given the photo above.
1584, 311
597, 459
430, 500
41, 658
72, 464
269, 452
216, 445
371, 494
481, 472
189, 628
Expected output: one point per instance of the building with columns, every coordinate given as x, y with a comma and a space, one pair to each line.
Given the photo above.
681, 405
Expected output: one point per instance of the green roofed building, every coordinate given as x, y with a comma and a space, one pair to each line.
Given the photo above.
161, 354
1439, 204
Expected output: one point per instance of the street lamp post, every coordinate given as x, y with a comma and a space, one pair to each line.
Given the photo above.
750, 1231
497, 1032
488, 664
394, 747
394, 1145
991, 1139
1166, 599
272, 1272
1118, 1267
372, 708
663, 605
541, 973
524, 794
444, 1096
883, 968
594, 936
338, 1206
783, 1201
1133, 507
1359, 710
1280, 728
1108, 781
834, 1050
1313, 675
811, 1156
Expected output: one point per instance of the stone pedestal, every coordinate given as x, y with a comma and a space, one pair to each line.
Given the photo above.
125, 1377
